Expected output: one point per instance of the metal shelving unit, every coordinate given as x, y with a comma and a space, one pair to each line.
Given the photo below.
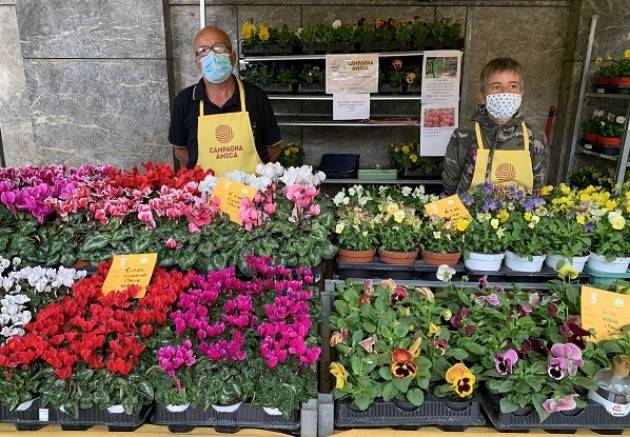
307, 57
324, 97
382, 181
622, 158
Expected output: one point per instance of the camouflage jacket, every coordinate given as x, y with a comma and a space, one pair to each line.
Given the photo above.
459, 162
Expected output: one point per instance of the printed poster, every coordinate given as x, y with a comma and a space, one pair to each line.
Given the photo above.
441, 75
352, 73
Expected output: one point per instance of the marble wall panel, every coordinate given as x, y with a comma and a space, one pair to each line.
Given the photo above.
15, 122
91, 29
100, 111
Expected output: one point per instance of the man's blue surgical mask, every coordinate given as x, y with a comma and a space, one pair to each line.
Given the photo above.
216, 68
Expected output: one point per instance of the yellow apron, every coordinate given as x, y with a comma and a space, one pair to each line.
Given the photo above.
225, 141
508, 166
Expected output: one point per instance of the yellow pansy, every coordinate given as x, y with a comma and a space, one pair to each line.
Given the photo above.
626, 54
500, 232
617, 221
585, 197
340, 227
581, 219
405, 149
564, 189
391, 208
249, 30
263, 32
528, 216
611, 205
433, 330
535, 219
339, 372
494, 223
546, 190
415, 347
462, 224
413, 157
503, 215
399, 216
598, 60
447, 314
567, 271
484, 217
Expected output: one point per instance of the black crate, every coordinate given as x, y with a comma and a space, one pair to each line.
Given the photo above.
506, 274
247, 416
378, 269
94, 416
31, 419
448, 415
593, 417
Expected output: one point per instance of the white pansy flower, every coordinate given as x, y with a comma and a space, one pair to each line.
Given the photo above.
598, 113
338, 199
364, 200
445, 273
406, 191
620, 119
336, 24
352, 191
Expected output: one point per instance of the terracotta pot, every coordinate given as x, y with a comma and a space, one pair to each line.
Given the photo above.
602, 82
590, 137
620, 81
401, 258
80, 264
356, 256
609, 141
434, 258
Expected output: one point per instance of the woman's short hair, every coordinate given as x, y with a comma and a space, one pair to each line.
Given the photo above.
500, 65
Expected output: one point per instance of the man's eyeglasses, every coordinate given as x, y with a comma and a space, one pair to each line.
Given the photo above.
219, 49
498, 88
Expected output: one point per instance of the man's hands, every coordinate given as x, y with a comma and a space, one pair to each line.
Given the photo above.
181, 154
274, 152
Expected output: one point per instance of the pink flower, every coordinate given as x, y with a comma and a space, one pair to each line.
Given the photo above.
171, 243
566, 359
491, 299
146, 215
554, 405
368, 287
504, 362
368, 344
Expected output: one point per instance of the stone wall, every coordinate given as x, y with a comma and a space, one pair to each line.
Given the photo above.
91, 81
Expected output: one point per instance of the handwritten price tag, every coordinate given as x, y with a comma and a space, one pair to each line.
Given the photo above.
230, 194
449, 207
129, 270
604, 311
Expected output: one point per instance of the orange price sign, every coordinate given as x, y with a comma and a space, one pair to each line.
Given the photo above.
604, 311
127, 270
230, 193
449, 207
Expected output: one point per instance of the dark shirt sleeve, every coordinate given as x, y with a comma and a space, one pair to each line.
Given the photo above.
177, 129
453, 163
270, 131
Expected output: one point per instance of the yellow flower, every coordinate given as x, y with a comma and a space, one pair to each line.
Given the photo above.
611, 205
503, 215
413, 157
484, 217
455, 372
416, 347
462, 224
433, 330
407, 312
626, 54
249, 30
405, 149
528, 216
500, 232
399, 216
437, 235
339, 372
340, 227
535, 219
391, 208
581, 219
462, 379
564, 189
494, 223
546, 190
447, 314
617, 221
263, 32
397, 149
567, 271
599, 60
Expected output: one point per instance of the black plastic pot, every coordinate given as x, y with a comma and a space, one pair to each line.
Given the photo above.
313, 88
593, 417
448, 415
385, 88
268, 49
31, 419
93, 416
383, 46
247, 416
278, 88
377, 269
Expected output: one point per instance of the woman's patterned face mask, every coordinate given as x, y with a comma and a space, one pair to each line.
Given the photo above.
503, 106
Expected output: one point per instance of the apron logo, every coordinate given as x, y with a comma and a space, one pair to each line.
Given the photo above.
224, 133
505, 172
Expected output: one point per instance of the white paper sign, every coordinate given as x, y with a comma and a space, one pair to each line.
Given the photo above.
351, 106
441, 73
437, 123
352, 73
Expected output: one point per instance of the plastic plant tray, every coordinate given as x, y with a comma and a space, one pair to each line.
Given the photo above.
593, 417
448, 415
372, 173
506, 274
377, 269
94, 416
31, 419
247, 416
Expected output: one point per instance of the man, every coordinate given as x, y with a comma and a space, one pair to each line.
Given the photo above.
502, 148
222, 123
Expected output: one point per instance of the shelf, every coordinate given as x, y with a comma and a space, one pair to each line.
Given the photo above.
329, 97
332, 123
246, 59
383, 181
599, 155
609, 96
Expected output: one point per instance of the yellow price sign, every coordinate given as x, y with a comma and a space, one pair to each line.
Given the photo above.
604, 311
127, 270
230, 193
450, 207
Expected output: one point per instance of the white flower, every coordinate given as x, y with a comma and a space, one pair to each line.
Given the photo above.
340, 227
271, 170
299, 31
302, 175
336, 24
364, 200
620, 119
383, 189
236, 175
445, 273
406, 191
207, 186
352, 191
598, 113
339, 198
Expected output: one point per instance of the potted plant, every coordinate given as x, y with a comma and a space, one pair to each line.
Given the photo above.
610, 248
259, 74
284, 81
614, 74
442, 240
611, 131
404, 156
485, 242
311, 79
419, 35
568, 243
592, 128
385, 36
446, 34
260, 39
392, 77
291, 155
376, 359
399, 235
528, 242
357, 237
